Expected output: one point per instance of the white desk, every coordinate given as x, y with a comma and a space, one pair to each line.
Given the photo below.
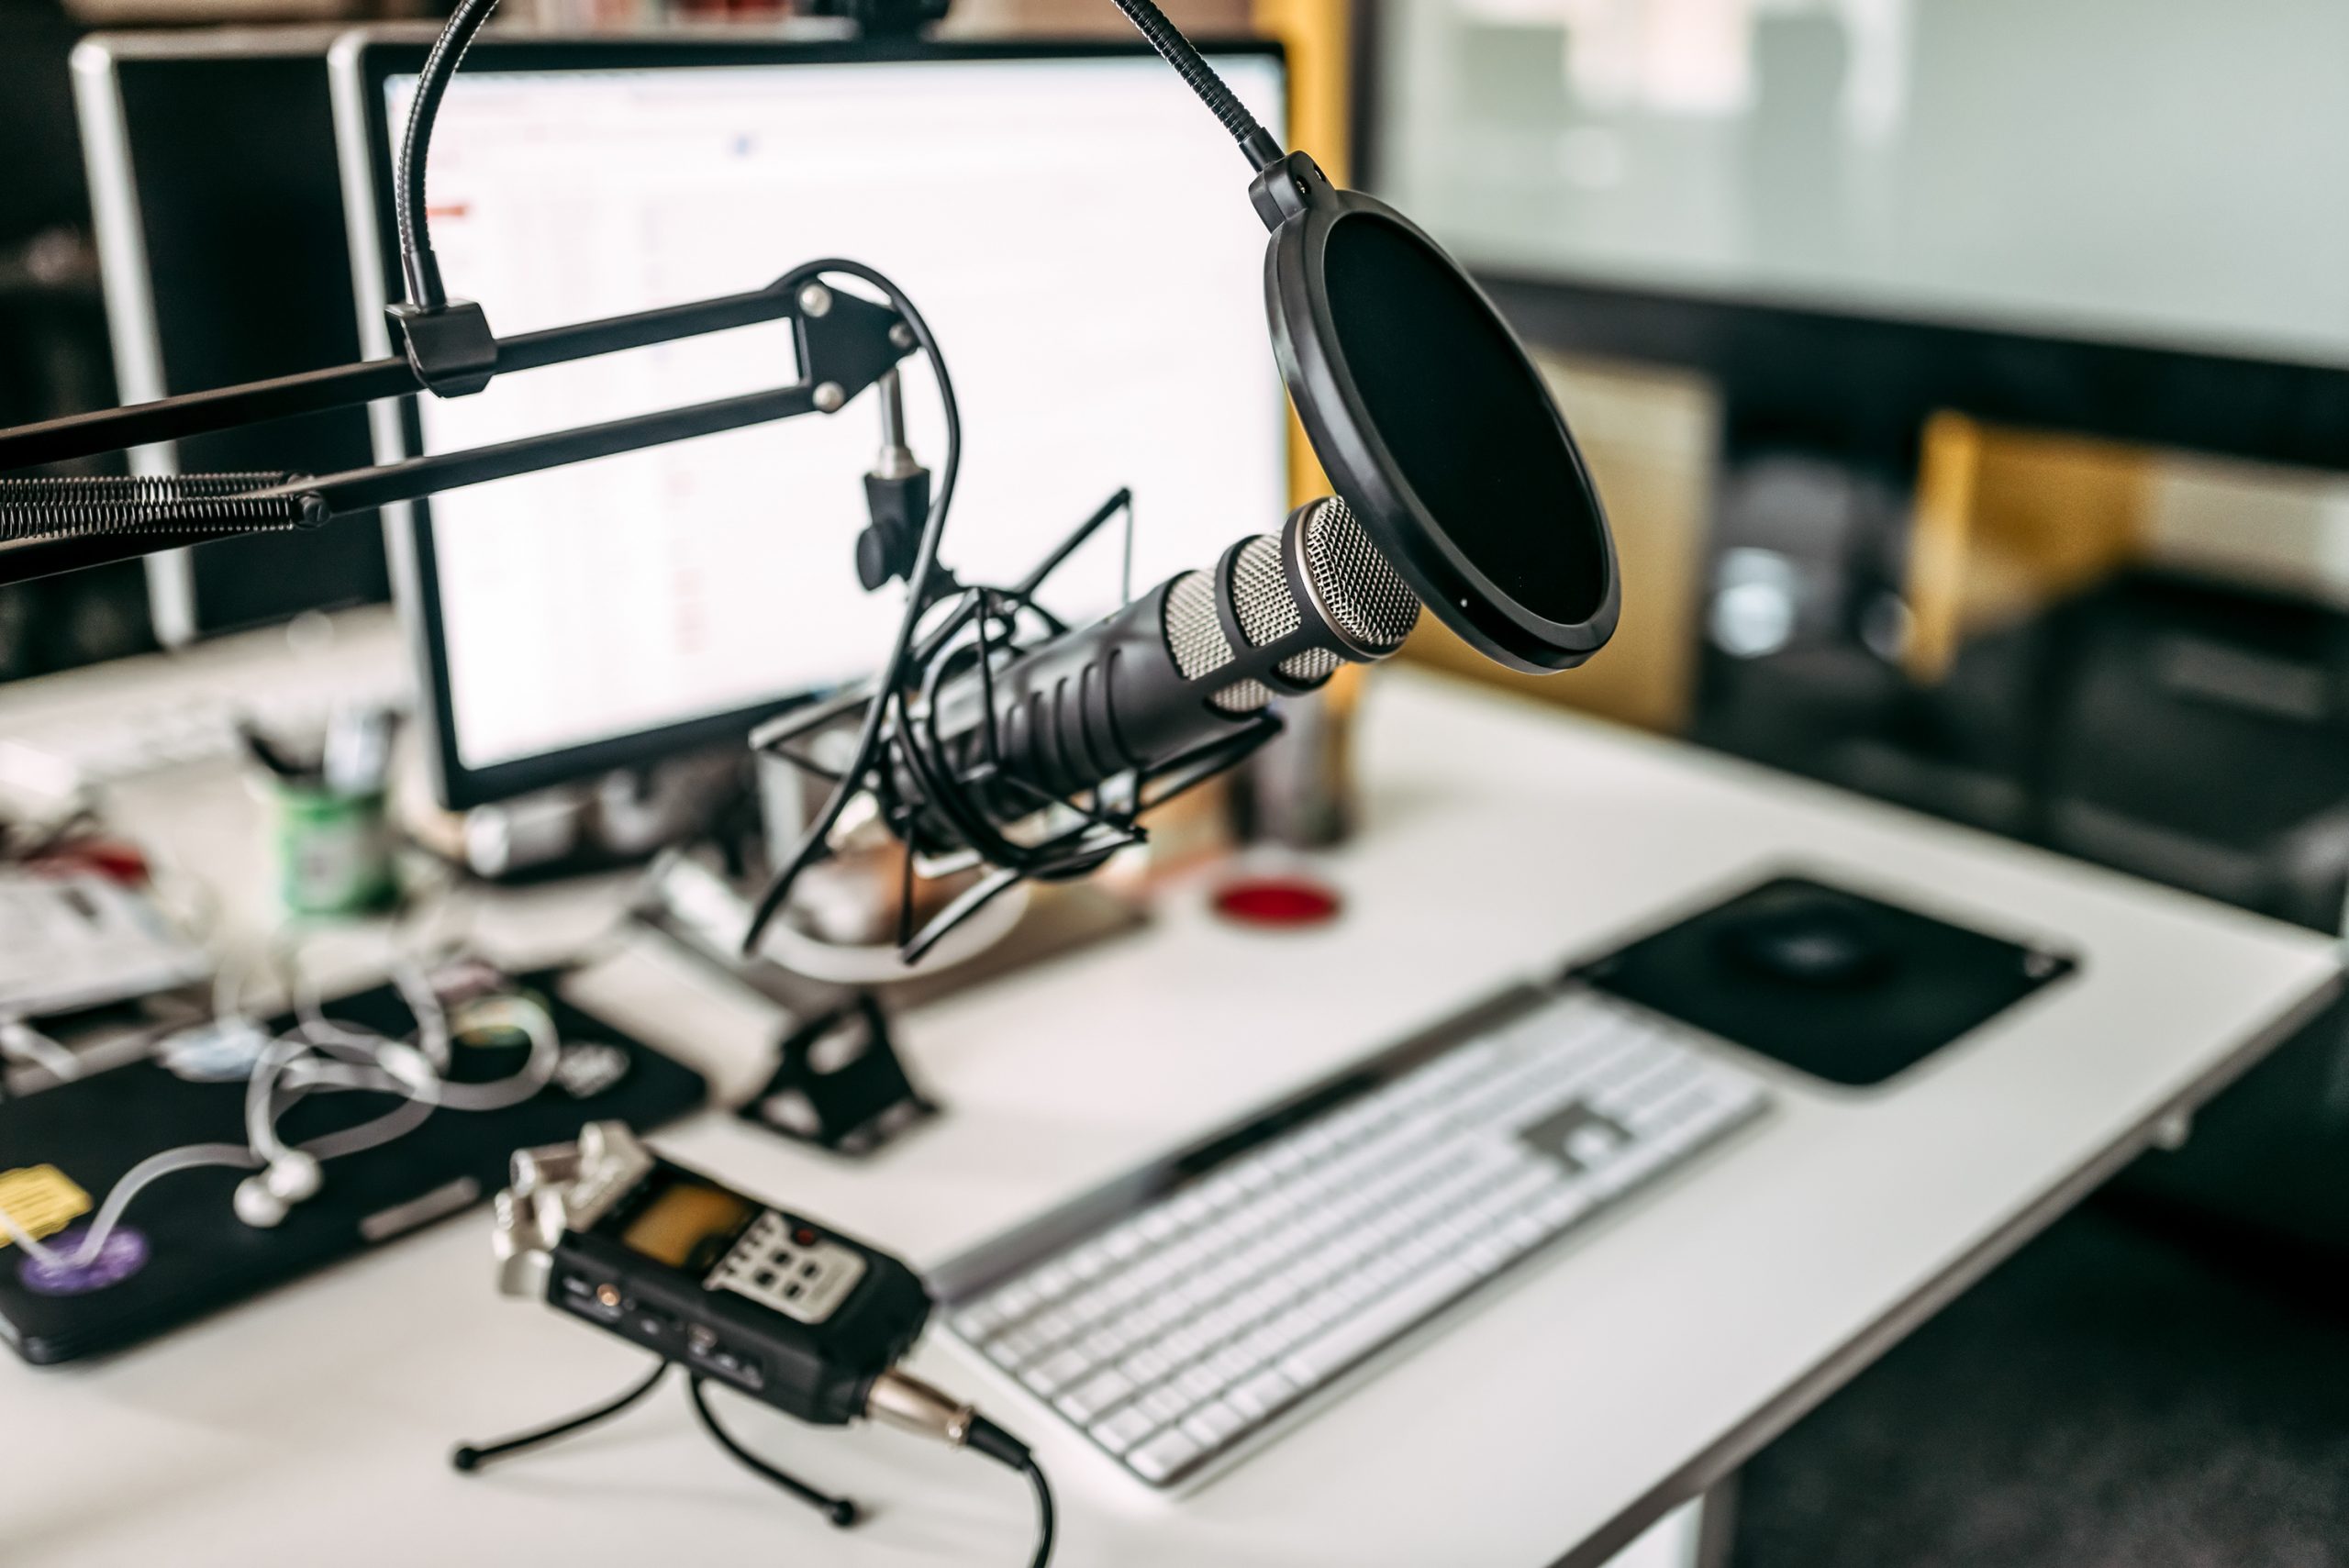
1545, 1422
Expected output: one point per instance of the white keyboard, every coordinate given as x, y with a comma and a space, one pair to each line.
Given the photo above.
1178, 1311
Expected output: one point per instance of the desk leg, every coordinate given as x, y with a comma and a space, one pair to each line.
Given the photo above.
1716, 1525
1694, 1535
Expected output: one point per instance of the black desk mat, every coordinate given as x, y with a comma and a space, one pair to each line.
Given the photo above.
199, 1257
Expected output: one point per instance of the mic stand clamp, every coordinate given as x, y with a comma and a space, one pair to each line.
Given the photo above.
896, 498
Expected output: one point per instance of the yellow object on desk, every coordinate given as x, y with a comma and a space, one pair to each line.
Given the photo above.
41, 1199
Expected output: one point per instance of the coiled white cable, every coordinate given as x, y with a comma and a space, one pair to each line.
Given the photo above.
321, 1054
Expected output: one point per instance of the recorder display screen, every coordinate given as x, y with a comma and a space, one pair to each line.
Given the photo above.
688, 1225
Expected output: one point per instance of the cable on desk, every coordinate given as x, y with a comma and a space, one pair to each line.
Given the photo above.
321, 1054
988, 1438
1043, 1513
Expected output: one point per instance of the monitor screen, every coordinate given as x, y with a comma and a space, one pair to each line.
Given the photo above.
204, 156
2157, 174
1074, 229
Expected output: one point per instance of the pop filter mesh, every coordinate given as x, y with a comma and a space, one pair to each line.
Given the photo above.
1468, 424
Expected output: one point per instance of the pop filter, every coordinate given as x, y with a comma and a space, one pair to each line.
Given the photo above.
1434, 426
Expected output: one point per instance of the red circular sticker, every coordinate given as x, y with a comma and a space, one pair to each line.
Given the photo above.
1277, 901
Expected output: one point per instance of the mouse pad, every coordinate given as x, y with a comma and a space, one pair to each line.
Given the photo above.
1834, 984
180, 1251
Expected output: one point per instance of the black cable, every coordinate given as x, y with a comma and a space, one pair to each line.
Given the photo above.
1044, 1522
1256, 143
418, 263
473, 1456
918, 600
988, 1438
840, 1511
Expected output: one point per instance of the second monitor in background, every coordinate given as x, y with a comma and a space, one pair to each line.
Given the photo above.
220, 236
1078, 248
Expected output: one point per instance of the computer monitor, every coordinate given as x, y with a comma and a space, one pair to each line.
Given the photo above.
218, 210
2090, 218
2096, 217
1073, 230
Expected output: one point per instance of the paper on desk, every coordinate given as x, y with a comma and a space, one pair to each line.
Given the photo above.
76, 942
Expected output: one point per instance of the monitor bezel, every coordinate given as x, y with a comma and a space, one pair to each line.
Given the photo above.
362, 63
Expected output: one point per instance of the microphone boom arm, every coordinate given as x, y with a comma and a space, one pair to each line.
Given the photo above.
844, 344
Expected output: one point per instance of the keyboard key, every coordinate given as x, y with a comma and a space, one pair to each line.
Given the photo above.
1592, 1146
1055, 1372
1210, 1426
1189, 1208
1096, 1395
1198, 1383
1121, 1431
1348, 1341
1162, 1455
978, 1322
1146, 1365
1563, 1208
1053, 1281
1489, 1256
1230, 1365
1262, 1395
1185, 1343
1166, 1404
1015, 1301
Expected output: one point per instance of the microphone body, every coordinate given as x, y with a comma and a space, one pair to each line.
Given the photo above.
1193, 662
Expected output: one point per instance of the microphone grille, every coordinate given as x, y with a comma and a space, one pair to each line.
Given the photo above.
1359, 587
1194, 638
1358, 598
1194, 632
1268, 609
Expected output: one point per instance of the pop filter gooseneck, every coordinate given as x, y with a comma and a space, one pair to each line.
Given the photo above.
1423, 406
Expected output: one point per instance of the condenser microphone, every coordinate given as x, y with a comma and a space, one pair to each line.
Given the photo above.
1459, 489
1180, 670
